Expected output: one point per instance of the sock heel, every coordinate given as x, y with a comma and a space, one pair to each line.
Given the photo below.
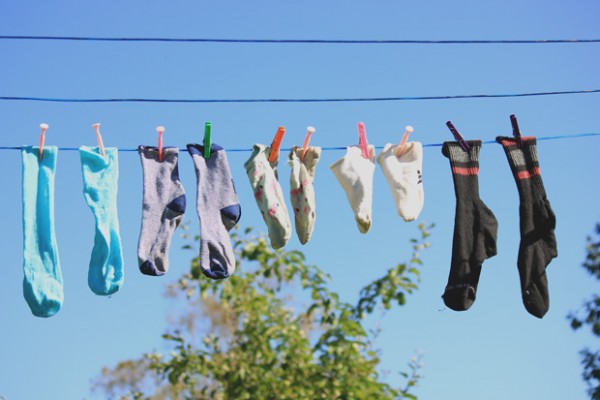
178, 204
230, 215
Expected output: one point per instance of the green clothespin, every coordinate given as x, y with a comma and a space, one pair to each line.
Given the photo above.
207, 143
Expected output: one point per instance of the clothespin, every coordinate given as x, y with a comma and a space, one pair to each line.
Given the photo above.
43, 138
99, 137
160, 129
309, 131
407, 131
362, 140
276, 144
207, 142
516, 130
457, 136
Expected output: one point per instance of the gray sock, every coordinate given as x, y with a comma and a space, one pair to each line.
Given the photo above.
218, 210
163, 208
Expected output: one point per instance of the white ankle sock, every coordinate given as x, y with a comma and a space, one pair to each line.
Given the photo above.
403, 174
355, 174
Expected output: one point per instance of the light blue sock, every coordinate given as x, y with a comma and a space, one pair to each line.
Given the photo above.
100, 178
43, 283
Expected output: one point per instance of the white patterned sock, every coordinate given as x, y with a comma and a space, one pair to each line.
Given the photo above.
268, 195
302, 192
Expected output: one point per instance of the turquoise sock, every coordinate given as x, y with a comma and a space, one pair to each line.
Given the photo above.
43, 283
100, 177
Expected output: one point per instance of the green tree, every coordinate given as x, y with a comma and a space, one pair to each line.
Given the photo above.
589, 315
255, 335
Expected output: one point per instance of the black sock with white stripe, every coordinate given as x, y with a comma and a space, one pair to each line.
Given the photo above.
537, 223
475, 227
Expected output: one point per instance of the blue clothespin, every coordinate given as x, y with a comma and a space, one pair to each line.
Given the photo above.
516, 130
457, 136
207, 143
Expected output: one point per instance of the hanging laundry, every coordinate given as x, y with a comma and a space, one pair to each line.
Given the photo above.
537, 223
163, 208
355, 173
303, 162
218, 210
100, 186
43, 282
404, 174
475, 227
268, 194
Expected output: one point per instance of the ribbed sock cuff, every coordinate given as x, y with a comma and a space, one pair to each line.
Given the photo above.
463, 162
465, 167
524, 163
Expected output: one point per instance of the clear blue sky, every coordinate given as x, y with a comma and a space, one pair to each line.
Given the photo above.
496, 350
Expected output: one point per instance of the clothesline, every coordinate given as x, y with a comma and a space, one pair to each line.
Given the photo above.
296, 41
298, 100
331, 148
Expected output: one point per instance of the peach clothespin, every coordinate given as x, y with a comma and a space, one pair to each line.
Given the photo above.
407, 131
160, 129
276, 144
362, 140
309, 131
43, 138
99, 137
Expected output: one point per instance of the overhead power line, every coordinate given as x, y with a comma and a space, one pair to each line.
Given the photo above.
294, 41
291, 100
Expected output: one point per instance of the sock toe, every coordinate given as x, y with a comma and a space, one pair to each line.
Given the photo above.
363, 220
459, 298
219, 263
148, 268
44, 303
409, 213
216, 271
536, 299
217, 268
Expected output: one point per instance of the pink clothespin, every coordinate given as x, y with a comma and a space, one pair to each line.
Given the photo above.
276, 144
310, 130
160, 129
99, 137
43, 138
407, 131
362, 140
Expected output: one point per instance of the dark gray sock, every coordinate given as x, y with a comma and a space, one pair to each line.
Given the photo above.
218, 210
537, 223
475, 227
163, 208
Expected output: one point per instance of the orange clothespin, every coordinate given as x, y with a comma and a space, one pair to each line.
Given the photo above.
99, 137
407, 131
309, 131
276, 144
43, 138
160, 129
362, 140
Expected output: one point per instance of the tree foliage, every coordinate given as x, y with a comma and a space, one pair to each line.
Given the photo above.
255, 335
589, 315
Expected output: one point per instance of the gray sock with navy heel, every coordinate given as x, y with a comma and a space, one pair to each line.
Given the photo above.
163, 208
218, 209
